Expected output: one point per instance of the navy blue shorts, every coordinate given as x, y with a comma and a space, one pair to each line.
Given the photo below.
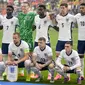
21, 65
36, 44
60, 45
5, 48
44, 68
81, 47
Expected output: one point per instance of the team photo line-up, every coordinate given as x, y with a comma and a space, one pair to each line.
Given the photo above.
18, 49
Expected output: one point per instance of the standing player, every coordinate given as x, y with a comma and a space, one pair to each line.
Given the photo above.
41, 60
2, 66
42, 23
80, 18
18, 51
64, 22
9, 24
26, 20
73, 64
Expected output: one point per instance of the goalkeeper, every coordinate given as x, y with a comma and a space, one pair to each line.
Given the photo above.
26, 20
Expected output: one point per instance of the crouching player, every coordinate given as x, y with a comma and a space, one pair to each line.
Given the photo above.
41, 60
18, 52
73, 63
2, 66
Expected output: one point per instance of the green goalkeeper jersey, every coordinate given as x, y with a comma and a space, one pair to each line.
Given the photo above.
26, 23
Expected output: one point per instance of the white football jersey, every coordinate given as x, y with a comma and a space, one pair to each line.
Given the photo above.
0, 51
18, 51
43, 56
81, 26
0, 19
65, 27
72, 60
42, 26
9, 27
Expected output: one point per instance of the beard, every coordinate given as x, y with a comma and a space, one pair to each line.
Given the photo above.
82, 13
16, 43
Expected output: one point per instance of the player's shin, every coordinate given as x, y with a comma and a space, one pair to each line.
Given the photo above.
52, 75
2, 69
82, 66
61, 72
28, 69
28, 74
37, 71
79, 77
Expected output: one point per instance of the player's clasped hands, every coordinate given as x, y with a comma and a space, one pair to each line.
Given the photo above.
66, 68
12, 63
39, 66
15, 62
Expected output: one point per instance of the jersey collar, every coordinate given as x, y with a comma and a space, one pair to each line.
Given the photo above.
19, 44
42, 17
9, 17
43, 49
65, 15
69, 53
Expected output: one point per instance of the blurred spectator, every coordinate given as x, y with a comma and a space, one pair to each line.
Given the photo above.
71, 7
78, 6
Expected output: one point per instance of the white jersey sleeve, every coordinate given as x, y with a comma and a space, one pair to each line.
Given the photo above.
0, 19
35, 50
76, 60
0, 51
10, 48
58, 61
50, 54
25, 47
17, 24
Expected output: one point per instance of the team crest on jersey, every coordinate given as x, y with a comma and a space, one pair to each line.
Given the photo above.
67, 19
72, 59
29, 17
13, 54
12, 22
45, 22
18, 55
45, 54
21, 50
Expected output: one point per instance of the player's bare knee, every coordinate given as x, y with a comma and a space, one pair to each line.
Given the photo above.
27, 63
2, 63
51, 66
2, 66
78, 69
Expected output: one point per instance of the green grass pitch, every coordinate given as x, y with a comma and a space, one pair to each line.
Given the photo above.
53, 38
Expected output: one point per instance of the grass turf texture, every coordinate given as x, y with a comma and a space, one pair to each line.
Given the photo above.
53, 38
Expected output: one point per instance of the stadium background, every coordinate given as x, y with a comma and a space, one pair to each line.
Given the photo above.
53, 38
